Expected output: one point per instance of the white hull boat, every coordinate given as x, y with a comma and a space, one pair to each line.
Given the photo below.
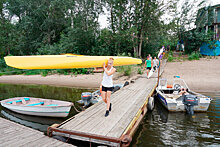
173, 101
38, 106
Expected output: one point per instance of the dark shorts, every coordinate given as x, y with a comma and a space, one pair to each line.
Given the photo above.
107, 88
155, 67
149, 68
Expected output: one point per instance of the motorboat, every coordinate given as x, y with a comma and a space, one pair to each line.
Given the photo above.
88, 98
38, 106
170, 97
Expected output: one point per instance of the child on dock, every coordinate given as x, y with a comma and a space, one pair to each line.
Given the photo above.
107, 84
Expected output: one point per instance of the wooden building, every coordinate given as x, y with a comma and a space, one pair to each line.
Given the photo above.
209, 18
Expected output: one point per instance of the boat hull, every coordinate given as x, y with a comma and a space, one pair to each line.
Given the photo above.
49, 111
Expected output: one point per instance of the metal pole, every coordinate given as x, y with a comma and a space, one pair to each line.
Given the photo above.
159, 71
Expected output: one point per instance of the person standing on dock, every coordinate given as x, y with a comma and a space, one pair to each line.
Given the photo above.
155, 64
149, 64
150, 57
107, 84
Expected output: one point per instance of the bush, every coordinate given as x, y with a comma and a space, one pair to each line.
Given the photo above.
125, 70
171, 53
2, 63
170, 58
140, 71
194, 56
44, 73
32, 72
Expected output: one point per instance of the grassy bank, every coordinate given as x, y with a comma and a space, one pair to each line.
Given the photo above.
180, 56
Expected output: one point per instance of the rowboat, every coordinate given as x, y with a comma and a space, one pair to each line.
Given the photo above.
37, 106
172, 100
66, 61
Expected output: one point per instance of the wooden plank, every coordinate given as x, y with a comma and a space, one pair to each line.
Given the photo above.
98, 120
87, 139
40, 141
76, 122
94, 120
32, 138
114, 101
112, 123
94, 107
23, 140
18, 135
16, 138
122, 124
88, 114
4, 125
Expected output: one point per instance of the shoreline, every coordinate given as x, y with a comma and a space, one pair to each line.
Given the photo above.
90, 81
200, 75
53, 80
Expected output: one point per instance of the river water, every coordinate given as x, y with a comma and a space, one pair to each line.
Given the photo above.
159, 127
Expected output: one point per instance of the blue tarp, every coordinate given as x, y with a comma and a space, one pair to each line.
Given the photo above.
205, 50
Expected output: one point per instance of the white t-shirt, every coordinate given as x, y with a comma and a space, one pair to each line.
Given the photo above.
107, 80
155, 61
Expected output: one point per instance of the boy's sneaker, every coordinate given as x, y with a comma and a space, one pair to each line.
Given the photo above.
106, 113
110, 107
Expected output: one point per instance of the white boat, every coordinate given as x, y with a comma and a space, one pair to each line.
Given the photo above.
38, 106
171, 99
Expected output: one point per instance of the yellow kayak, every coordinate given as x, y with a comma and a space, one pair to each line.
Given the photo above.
66, 61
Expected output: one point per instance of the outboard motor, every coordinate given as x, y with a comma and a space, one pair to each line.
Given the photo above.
86, 97
190, 101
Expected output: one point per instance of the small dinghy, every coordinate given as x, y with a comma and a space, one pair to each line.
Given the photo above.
37, 106
172, 99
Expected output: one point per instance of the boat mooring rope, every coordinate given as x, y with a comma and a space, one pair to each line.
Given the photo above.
76, 108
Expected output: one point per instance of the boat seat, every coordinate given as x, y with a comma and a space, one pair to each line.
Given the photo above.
14, 102
23, 102
52, 105
173, 96
35, 104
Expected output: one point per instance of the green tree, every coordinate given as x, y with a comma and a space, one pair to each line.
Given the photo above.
39, 22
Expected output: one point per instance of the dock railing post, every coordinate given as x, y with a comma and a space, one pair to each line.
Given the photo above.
158, 78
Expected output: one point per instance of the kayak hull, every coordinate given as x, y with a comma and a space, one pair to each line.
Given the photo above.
65, 61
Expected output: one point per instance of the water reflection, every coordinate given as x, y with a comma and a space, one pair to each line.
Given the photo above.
161, 128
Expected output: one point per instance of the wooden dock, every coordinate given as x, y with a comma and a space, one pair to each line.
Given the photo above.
13, 134
129, 105
128, 108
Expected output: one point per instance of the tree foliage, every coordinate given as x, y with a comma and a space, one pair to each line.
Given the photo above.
135, 27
